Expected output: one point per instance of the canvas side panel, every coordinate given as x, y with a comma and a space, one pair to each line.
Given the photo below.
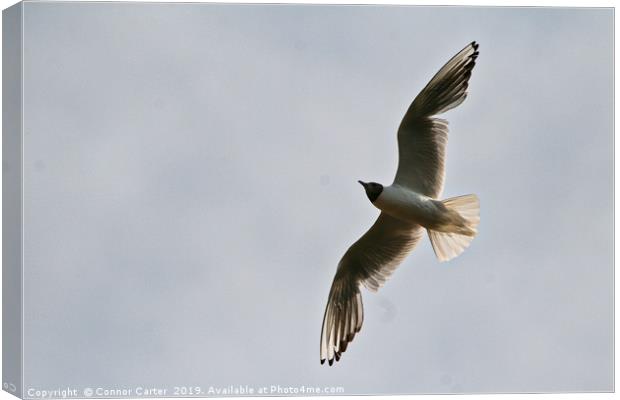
12, 199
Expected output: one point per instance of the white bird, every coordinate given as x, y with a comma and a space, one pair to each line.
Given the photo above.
408, 206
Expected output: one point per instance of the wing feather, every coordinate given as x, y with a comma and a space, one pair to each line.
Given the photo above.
422, 139
370, 261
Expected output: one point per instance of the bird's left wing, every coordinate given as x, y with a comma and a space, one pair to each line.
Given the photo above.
422, 139
370, 261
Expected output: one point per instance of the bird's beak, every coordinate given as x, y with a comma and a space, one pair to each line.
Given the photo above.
363, 184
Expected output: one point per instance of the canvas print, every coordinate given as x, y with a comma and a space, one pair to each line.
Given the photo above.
211, 200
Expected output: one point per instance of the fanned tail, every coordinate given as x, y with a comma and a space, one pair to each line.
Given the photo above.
448, 245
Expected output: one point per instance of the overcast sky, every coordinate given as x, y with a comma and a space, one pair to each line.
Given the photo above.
191, 184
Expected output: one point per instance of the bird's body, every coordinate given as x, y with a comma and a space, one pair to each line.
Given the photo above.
408, 206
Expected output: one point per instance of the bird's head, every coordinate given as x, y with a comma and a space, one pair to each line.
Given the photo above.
373, 190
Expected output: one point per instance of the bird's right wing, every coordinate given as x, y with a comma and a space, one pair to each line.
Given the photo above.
370, 261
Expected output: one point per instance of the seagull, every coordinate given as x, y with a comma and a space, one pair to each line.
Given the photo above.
408, 206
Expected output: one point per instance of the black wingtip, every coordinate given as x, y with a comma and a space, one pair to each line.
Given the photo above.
474, 45
331, 362
322, 361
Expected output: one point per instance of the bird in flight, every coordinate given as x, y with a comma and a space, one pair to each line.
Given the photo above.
408, 206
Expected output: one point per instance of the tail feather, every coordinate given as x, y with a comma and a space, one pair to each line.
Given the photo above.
448, 245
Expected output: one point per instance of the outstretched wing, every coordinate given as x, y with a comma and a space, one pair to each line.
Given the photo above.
422, 139
370, 261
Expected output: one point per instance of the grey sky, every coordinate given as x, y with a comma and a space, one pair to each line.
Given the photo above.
190, 185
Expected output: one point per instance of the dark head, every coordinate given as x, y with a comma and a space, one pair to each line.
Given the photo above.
373, 190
